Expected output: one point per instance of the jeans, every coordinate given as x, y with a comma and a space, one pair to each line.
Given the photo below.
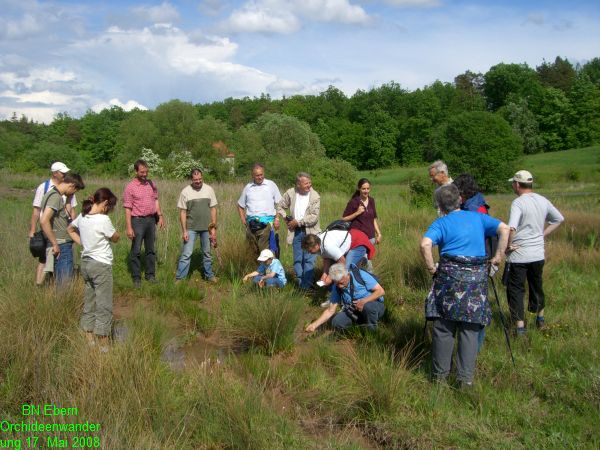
515, 288
442, 347
97, 297
145, 230
187, 248
355, 256
63, 265
269, 282
370, 315
304, 262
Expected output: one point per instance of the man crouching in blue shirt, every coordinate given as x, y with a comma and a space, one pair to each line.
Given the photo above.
360, 296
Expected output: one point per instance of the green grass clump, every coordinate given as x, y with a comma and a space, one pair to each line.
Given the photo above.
264, 320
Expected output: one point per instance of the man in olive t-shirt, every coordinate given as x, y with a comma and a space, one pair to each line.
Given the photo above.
198, 219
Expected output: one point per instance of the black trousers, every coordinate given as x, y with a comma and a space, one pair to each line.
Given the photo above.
145, 230
515, 288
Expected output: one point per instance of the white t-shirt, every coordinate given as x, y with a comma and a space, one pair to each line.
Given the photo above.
528, 216
300, 206
334, 244
95, 231
39, 195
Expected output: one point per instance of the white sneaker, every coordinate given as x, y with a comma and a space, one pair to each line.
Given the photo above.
325, 304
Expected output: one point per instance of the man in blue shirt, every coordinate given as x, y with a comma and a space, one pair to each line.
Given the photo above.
361, 300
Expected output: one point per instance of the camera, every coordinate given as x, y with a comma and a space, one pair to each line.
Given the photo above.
351, 312
288, 218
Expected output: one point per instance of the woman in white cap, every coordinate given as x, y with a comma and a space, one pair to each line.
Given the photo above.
269, 273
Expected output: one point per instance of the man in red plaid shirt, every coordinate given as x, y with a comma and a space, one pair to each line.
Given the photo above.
142, 213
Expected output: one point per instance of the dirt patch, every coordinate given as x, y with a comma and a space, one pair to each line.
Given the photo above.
9, 192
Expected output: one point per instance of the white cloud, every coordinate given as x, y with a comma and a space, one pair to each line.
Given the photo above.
127, 106
211, 7
254, 18
163, 13
414, 3
285, 16
38, 114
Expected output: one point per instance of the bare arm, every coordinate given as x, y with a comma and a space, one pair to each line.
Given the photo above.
503, 232
242, 213
115, 237
426, 252
74, 233
377, 231
325, 316
47, 229
161, 222
183, 222
354, 215
250, 275
550, 228
130, 232
376, 293
35, 216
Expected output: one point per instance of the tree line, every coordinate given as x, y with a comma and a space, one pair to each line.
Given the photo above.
487, 120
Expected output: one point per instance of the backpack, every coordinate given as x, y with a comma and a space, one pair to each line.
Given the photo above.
356, 276
339, 225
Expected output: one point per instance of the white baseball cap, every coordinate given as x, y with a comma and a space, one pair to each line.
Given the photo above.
522, 176
265, 254
59, 167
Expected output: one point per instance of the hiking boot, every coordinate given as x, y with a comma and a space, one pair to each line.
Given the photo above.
137, 284
152, 280
520, 332
540, 323
213, 280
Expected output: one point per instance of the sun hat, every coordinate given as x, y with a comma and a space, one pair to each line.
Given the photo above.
59, 167
522, 176
265, 254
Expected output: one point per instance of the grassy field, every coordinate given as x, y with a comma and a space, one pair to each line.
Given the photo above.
197, 366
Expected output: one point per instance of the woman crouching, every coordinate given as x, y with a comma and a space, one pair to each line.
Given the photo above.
94, 231
457, 302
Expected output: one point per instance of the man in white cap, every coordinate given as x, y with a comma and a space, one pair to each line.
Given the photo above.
58, 170
529, 213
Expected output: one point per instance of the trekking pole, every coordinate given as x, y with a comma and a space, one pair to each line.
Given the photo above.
503, 321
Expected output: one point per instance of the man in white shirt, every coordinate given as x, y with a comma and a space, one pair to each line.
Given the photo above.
58, 170
256, 207
304, 204
529, 213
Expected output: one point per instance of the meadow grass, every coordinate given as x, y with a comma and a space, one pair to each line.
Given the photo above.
272, 386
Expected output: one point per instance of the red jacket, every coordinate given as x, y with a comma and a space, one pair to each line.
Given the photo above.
359, 238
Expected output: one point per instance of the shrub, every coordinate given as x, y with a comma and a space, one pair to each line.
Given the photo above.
484, 145
263, 320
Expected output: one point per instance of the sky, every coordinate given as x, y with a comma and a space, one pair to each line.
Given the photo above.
70, 57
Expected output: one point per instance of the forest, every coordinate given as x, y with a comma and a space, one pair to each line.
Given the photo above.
477, 123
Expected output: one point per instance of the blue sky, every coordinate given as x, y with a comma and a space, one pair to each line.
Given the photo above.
67, 56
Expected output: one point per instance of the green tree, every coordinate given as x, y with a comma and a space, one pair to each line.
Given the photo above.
592, 70
503, 80
560, 74
136, 132
584, 118
381, 134
524, 123
482, 144
99, 133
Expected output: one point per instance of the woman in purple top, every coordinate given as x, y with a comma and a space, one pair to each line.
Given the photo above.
361, 211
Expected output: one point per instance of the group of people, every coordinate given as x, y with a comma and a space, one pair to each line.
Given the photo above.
457, 302
471, 244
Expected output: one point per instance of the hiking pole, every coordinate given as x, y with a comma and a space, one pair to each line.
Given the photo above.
503, 321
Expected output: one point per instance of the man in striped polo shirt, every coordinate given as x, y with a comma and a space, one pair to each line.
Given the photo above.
198, 219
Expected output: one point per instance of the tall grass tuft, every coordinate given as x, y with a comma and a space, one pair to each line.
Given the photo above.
263, 320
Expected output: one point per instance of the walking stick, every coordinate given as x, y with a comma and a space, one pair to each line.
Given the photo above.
503, 321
